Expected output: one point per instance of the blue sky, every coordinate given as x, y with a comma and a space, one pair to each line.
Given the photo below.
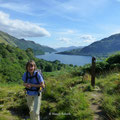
60, 23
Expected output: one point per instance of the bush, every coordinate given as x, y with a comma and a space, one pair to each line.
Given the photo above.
113, 59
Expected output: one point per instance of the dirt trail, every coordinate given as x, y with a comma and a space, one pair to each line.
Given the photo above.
95, 100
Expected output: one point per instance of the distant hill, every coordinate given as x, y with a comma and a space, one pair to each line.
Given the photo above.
24, 44
100, 48
61, 49
70, 50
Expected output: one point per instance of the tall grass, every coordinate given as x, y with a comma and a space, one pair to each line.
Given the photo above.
110, 85
61, 100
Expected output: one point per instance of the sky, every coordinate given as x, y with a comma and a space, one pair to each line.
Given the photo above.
60, 23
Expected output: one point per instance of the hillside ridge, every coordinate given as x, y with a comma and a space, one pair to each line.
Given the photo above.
103, 47
24, 44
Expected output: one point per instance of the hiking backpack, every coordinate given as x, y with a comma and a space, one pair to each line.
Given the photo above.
39, 89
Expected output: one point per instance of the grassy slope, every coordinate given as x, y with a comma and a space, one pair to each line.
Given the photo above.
110, 85
65, 93
9, 97
7, 39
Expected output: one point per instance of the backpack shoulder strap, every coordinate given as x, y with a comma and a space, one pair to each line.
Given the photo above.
36, 75
26, 77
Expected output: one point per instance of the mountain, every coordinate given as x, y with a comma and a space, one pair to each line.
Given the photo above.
61, 49
24, 44
70, 50
66, 49
103, 47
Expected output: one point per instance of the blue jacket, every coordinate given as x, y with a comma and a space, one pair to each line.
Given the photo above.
32, 81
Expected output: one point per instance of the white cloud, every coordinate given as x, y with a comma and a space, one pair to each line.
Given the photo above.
17, 6
87, 38
63, 8
19, 28
64, 39
80, 9
82, 39
69, 31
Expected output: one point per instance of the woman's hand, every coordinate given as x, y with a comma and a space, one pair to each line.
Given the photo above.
27, 85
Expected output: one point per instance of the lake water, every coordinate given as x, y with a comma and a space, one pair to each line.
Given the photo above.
67, 59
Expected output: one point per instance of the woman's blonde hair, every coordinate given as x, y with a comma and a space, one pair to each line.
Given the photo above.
31, 62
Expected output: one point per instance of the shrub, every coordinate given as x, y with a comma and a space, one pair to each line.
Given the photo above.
113, 59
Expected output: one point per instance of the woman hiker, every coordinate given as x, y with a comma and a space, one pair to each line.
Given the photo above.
33, 82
